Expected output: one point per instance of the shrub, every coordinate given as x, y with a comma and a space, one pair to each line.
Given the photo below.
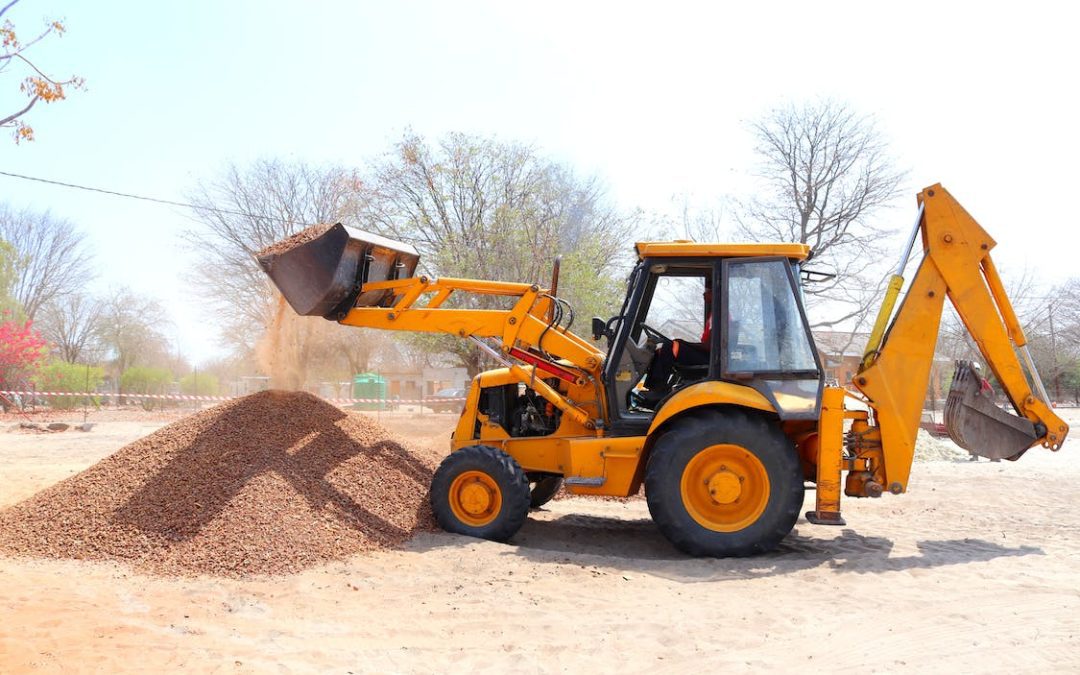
201, 384
63, 376
145, 380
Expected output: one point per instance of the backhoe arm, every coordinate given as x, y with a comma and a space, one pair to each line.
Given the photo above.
895, 374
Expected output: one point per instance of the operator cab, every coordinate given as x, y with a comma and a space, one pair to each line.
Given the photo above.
711, 312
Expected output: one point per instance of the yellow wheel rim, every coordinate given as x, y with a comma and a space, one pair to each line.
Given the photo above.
725, 488
475, 498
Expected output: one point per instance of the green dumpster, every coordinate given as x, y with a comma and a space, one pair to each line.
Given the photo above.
372, 388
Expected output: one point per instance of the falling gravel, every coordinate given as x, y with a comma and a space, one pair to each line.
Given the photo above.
302, 237
270, 483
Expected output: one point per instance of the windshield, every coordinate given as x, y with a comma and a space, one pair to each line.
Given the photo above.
678, 309
765, 327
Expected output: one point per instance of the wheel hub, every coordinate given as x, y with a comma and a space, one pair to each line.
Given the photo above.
476, 498
725, 487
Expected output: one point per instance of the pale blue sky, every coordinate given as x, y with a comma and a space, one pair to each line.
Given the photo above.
652, 97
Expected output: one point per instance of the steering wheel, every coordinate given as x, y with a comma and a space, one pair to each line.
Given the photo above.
655, 334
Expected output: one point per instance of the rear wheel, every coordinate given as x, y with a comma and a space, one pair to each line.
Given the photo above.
724, 484
480, 491
543, 488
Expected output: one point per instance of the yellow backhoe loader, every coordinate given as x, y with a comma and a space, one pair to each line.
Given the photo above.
722, 444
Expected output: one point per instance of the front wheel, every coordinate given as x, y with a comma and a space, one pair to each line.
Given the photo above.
724, 483
480, 491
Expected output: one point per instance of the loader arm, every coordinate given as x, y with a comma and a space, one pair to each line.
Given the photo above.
362, 279
525, 332
895, 373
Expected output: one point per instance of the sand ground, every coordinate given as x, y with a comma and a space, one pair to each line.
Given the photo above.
975, 569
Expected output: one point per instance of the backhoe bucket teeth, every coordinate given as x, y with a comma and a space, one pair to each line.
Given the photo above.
979, 426
323, 276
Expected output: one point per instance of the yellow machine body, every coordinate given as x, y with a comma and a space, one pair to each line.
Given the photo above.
873, 442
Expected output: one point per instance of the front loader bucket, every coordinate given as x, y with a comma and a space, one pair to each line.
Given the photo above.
323, 276
978, 425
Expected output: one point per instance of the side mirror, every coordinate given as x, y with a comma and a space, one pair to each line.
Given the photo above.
599, 328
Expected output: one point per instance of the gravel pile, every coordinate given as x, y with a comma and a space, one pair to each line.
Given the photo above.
266, 484
302, 237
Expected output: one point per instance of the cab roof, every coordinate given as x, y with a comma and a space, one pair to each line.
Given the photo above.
693, 249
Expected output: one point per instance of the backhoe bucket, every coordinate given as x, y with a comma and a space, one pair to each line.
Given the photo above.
323, 276
978, 425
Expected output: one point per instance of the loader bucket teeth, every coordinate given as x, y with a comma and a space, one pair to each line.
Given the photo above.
979, 426
323, 276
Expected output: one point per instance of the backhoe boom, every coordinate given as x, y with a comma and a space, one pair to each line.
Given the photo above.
894, 378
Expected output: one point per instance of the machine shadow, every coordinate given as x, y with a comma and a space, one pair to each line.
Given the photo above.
204, 477
636, 545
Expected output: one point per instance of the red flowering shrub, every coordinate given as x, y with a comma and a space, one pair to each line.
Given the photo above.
22, 349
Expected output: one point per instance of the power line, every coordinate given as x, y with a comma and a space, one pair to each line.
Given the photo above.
128, 195
156, 200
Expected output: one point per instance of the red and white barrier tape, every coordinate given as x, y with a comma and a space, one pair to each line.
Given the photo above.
79, 394
190, 397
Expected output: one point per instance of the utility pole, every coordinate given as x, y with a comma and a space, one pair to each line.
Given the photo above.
1053, 353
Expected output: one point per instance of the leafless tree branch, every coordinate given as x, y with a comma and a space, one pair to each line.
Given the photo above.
52, 258
825, 172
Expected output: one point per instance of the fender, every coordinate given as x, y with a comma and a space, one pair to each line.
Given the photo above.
710, 393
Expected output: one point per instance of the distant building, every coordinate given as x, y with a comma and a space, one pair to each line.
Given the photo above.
841, 353
412, 384
249, 385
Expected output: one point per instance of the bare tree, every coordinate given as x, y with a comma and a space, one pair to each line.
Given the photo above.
276, 199
130, 330
826, 172
355, 350
35, 84
1051, 321
480, 208
242, 211
72, 326
8, 259
1049, 317
52, 260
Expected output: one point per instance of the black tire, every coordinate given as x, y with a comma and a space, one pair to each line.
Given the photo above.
544, 487
756, 530
500, 469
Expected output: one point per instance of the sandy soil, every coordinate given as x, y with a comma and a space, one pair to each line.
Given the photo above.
975, 569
